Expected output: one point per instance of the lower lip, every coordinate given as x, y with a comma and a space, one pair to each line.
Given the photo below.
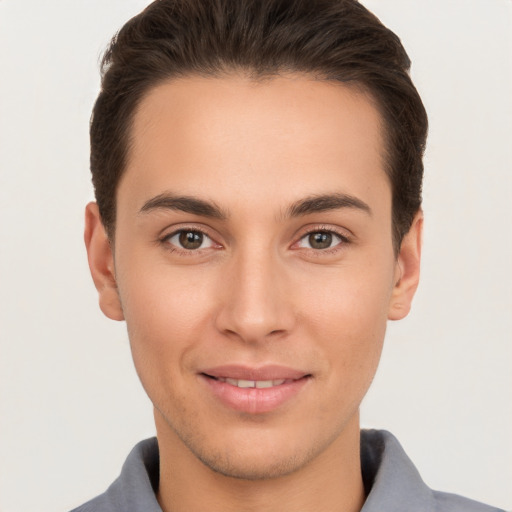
254, 400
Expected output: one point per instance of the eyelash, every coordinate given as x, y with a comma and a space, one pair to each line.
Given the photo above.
181, 250
345, 240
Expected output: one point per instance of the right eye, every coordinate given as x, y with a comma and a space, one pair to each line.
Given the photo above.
189, 240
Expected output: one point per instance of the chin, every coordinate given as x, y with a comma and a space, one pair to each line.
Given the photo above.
244, 466
249, 454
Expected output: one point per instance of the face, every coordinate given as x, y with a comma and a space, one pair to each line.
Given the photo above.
254, 266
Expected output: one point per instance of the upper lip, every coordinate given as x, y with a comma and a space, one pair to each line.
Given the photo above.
267, 372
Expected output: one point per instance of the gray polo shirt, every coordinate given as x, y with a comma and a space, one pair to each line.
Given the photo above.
391, 481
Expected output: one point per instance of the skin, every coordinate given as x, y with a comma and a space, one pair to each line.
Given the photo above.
257, 291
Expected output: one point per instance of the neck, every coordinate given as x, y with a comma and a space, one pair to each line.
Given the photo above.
330, 482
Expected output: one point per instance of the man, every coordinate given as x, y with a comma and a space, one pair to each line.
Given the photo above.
257, 168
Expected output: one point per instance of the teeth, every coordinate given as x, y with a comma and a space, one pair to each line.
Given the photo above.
264, 384
260, 384
246, 383
269, 383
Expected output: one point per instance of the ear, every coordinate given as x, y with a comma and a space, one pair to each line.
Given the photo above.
101, 263
407, 270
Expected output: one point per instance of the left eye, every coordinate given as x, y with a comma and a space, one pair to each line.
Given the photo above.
320, 240
190, 240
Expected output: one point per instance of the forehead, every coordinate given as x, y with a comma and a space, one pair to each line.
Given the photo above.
236, 135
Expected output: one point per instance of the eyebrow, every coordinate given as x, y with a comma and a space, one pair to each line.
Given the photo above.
186, 204
324, 203
312, 204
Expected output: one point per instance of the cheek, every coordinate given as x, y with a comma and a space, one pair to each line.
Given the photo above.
354, 298
348, 317
165, 310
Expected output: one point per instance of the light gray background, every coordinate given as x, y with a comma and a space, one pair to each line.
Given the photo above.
71, 406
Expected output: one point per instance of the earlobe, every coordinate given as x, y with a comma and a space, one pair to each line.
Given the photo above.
101, 263
407, 273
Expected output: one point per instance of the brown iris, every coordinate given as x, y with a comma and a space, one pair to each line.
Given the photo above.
191, 239
320, 240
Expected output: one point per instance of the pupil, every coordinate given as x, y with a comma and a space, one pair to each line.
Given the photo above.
191, 239
320, 240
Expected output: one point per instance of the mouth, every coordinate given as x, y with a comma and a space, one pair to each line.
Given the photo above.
245, 384
254, 391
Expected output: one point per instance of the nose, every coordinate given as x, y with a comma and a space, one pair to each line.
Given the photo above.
256, 302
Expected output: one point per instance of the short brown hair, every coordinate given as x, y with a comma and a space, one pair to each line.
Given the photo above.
337, 40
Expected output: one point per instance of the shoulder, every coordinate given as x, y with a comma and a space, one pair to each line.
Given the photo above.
446, 502
393, 484
134, 489
101, 503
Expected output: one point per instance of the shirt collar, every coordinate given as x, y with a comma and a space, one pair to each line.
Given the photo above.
391, 480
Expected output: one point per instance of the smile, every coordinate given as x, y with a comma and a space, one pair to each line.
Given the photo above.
260, 384
254, 391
